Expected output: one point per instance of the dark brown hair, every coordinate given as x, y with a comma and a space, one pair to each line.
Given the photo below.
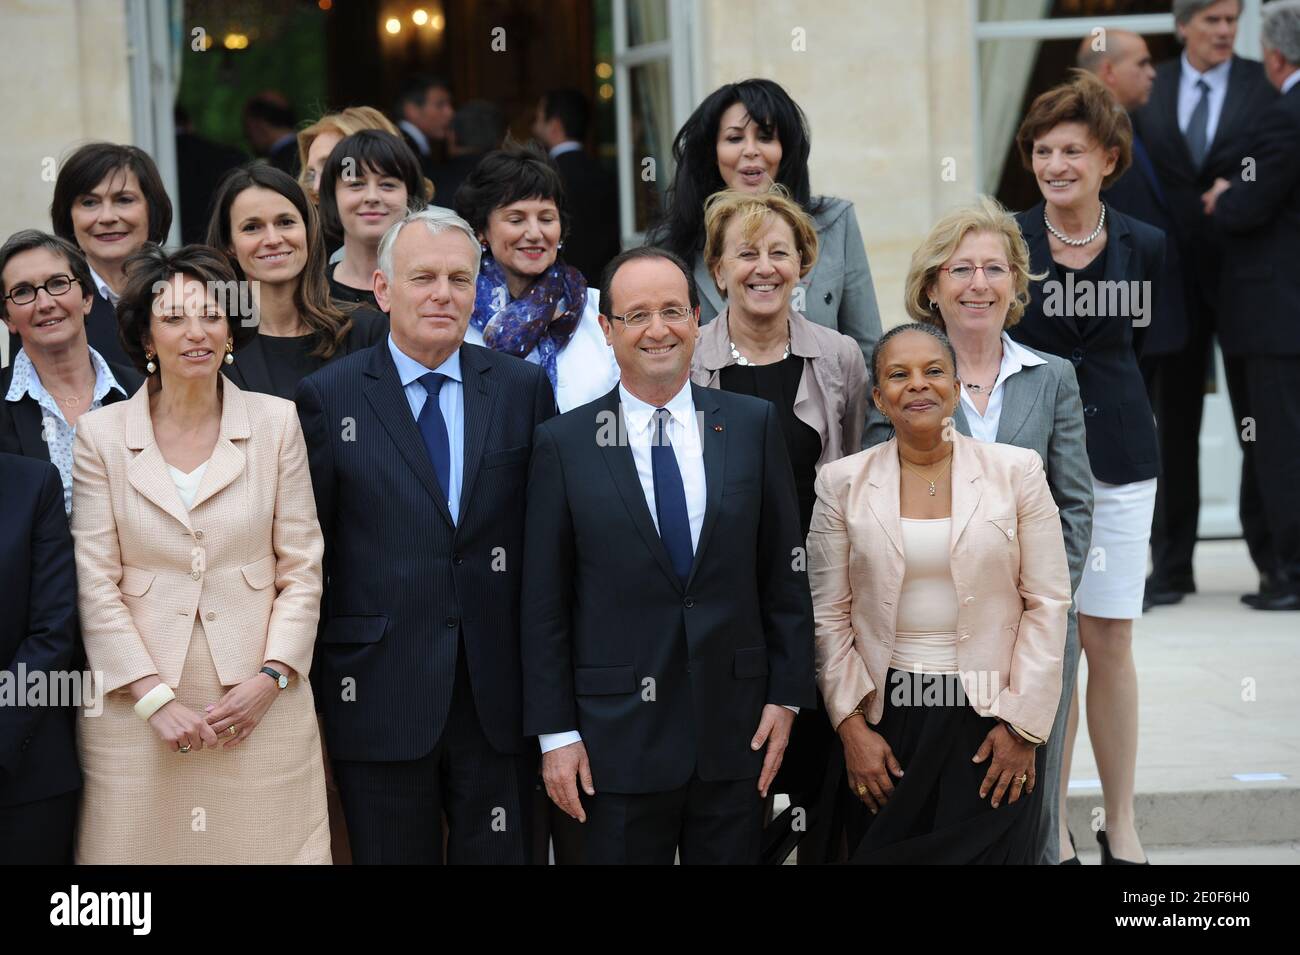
86, 168
1081, 99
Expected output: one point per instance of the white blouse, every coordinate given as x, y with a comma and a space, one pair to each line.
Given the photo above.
585, 368
187, 485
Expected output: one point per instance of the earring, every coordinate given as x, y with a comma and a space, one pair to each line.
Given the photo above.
933, 305
149, 363
484, 247
560, 247
230, 351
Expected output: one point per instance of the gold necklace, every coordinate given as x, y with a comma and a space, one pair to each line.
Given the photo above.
923, 477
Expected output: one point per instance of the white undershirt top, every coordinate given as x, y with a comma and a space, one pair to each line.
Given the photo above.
926, 631
187, 485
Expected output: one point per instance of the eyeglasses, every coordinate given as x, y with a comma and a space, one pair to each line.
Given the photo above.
673, 315
964, 273
55, 285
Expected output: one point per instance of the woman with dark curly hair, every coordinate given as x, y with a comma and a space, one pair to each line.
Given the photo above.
531, 304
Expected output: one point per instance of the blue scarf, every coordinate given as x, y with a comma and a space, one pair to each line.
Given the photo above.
544, 317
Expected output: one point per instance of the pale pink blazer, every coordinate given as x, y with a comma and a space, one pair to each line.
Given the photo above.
246, 557
1008, 566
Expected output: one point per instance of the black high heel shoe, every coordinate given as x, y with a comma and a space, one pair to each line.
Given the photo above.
1107, 858
1074, 859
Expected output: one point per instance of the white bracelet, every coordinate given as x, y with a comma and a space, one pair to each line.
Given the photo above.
154, 700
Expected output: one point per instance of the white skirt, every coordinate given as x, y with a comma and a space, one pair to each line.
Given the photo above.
1114, 574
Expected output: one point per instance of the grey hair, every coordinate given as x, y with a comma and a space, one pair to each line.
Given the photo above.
1184, 10
1280, 29
437, 220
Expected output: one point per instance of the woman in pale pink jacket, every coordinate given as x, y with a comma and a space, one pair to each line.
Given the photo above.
940, 589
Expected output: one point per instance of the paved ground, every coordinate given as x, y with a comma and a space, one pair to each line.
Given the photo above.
1219, 743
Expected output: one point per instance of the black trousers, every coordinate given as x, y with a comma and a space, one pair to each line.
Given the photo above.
1177, 387
394, 810
1274, 387
708, 823
40, 832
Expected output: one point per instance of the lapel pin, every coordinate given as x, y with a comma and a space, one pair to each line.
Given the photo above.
717, 427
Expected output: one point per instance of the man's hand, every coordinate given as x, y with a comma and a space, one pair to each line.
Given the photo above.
1211, 196
774, 730
560, 770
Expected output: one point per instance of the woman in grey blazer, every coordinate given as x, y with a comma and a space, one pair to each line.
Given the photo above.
970, 277
747, 136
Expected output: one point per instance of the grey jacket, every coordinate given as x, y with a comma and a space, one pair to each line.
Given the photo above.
838, 292
1041, 410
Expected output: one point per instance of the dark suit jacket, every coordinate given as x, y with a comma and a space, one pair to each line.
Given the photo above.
1249, 94
201, 164
1139, 195
1259, 302
448, 175
38, 629
1117, 414
592, 204
425, 160
284, 157
20, 421
402, 583
662, 680
102, 331
251, 369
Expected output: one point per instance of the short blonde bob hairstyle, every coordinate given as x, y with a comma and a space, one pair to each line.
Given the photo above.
344, 124
754, 211
984, 214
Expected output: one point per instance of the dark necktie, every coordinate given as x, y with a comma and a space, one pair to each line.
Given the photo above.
433, 428
1199, 125
670, 499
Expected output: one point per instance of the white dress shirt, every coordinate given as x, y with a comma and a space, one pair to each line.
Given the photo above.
417, 135
568, 146
451, 402
684, 435
1188, 96
1015, 357
1290, 81
102, 287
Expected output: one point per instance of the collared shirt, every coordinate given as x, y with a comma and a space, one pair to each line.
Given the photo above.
451, 401
55, 429
102, 287
568, 146
1290, 81
1015, 357
1188, 95
416, 134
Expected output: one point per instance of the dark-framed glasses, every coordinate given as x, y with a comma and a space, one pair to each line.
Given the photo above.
55, 286
673, 315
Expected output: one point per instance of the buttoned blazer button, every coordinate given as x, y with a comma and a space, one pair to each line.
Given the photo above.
198, 535
194, 574
211, 615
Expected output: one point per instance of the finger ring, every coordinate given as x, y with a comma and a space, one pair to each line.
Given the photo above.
232, 730
862, 790
1022, 778
185, 747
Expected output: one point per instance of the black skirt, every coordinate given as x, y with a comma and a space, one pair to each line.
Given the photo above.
936, 815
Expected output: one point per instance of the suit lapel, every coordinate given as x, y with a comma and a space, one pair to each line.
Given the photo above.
714, 440
228, 459
1233, 111
1165, 104
965, 485
960, 420
884, 497
622, 468
249, 370
27, 422
147, 471
480, 396
383, 389
1019, 396
708, 288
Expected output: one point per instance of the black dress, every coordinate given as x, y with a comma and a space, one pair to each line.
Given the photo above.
273, 365
814, 763
346, 296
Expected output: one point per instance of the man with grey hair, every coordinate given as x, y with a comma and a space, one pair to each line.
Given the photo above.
1258, 210
419, 450
1196, 128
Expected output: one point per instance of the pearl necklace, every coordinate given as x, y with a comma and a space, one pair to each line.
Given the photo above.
742, 360
1101, 224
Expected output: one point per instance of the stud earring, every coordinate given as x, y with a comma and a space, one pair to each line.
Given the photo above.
149, 363
230, 351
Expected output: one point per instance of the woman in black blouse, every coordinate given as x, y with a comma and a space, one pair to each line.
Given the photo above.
270, 232
1099, 272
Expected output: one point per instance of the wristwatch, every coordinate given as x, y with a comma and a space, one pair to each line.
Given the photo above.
280, 679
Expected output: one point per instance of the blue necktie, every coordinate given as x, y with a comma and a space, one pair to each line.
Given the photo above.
1198, 126
670, 499
433, 428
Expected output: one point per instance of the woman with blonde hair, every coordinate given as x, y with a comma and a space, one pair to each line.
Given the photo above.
970, 278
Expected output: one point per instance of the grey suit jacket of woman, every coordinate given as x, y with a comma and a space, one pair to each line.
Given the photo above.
838, 292
1041, 410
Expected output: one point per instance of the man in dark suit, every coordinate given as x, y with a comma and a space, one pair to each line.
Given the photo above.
269, 128
201, 164
1196, 128
39, 776
667, 622
589, 192
1259, 298
423, 114
477, 128
419, 451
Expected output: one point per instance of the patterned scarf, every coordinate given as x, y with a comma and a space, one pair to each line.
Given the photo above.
545, 317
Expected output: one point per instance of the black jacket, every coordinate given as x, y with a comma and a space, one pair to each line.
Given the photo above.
251, 369
592, 203
403, 584
1259, 302
1249, 94
20, 421
1117, 415
38, 630
662, 680
102, 333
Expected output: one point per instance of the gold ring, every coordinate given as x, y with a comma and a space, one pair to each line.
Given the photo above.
862, 790
232, 730
185, 747
1022, 778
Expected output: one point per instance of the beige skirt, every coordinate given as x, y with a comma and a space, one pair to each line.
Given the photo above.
261, 802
